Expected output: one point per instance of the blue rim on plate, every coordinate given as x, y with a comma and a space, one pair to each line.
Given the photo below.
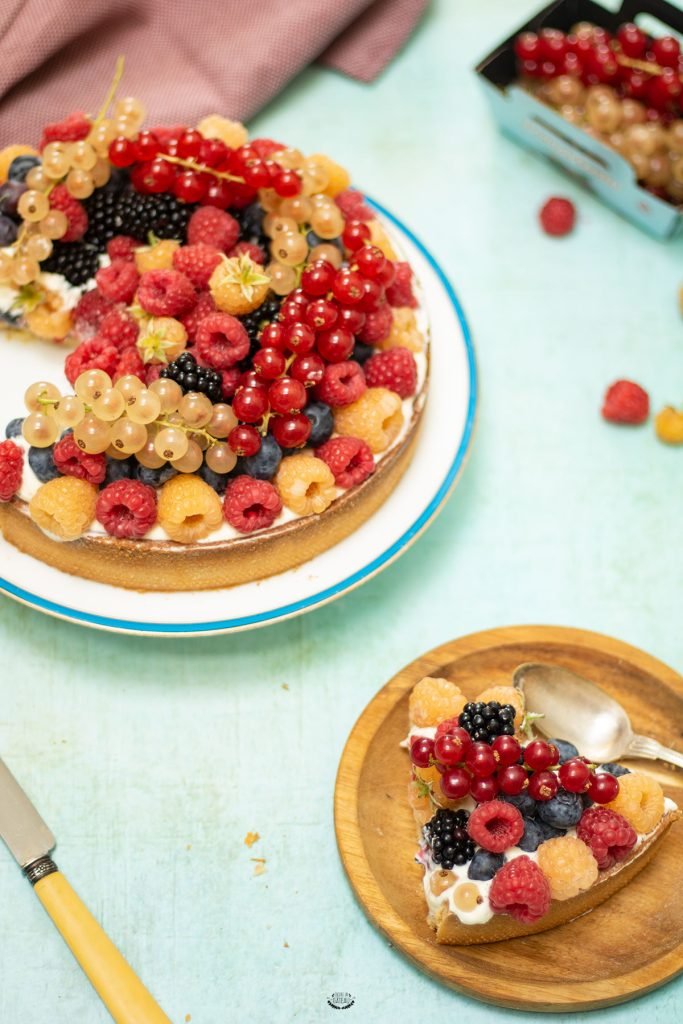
315, 600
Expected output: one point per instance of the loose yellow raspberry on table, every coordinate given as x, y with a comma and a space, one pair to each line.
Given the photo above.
232, 133
64, 507
376, 418
669, 425
433, 701
305, 483
569, 866
188, 509
640, 800
404, 331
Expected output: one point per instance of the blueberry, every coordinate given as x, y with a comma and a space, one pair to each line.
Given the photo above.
8, 230
563, 811
13, 428
615, 769
20, 167
219, 481
361, 352
525, 804
533, 836
567, 750
549, 832
586, 800
322, 423
119, 469
264, 464
484, 865
10, 194
154, 477
314, 240
43, 465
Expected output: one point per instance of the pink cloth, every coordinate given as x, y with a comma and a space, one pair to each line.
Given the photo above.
184, 58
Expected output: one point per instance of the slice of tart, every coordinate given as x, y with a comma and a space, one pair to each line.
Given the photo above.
518, 835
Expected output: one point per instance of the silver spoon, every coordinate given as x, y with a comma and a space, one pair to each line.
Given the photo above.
577, 710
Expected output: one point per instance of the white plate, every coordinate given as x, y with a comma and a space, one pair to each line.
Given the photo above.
442, 447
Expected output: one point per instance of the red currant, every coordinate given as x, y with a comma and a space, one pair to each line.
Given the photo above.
153, 176
553, 44
269, 363
421, 751
388, 274
189, 186
356, 233
250, 379
122, 152
335, 345
257, 175
574, 776
308, 369
449, 749
373, 294
286, 395
666, 51
212, 153
603, 787
484, 789
506, 750
190, 144
352, 319
528, 46
317, 278
543, 785
250, 403
632, 40
293, 309
539, 755
218, 194
321, 314
512, 780
244, 440
299, 338
273, 336
455, 784
347, 287
664, 89
287, 183
480, 760
291, 431
146, 146
370, 261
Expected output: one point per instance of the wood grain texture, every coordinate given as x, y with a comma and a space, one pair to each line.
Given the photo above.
630, 945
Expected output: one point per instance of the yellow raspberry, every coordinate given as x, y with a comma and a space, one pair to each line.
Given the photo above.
339, 177
379, 237
49, 319
640, 800
422, 806
505, 695
232, 133
569, 866
433, 701
161, 339
669, 425
188, 508
376, 418
306, 484
64, 506
238, 285
156, 257
404, 331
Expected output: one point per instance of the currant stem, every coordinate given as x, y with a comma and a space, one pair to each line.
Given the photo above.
201, 168
118, 74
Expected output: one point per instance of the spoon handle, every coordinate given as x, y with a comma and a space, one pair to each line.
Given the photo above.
642, 746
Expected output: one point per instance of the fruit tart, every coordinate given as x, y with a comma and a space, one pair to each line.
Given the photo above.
518, 835
246, 357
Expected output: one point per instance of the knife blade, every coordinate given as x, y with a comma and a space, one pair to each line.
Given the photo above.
27, 836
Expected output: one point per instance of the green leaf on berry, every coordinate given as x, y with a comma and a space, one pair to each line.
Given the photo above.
245, 273
29, 297
153, 345
527, 724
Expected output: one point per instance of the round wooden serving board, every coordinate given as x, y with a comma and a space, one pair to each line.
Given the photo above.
624, 948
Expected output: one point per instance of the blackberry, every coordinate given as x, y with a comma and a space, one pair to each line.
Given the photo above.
486, 721
447, 837
191, 377
250, 220
161, 213
361, 352
255, 321
76, 261
101, 207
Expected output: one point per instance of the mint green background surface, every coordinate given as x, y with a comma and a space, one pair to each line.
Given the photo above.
151, 759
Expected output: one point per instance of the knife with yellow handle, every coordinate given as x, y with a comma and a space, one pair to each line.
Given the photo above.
30, 842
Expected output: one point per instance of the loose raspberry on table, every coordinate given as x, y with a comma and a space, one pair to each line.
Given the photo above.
521, 890
221, 341
11, 469
71, 461
640, 800
64, 506
626, 402
250, 504
342, 383
74, 212
496, 826
192, 320
248, 249
434, 700
72, 129
395, 369
609, 836
166, 292
197, 262
188, 508
376, 417
122, 247
118, 281
557, 216
349, 458
353, 206
129, 363
306, 484
569, 866
669, 425
400, 292
120, 328
127, 508
214, 227
96, 354
377, 326
88, 313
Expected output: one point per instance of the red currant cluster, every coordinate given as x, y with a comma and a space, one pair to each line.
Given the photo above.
200, 170
482, 770
636, 65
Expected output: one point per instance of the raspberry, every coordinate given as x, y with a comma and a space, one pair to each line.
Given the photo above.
557, 216
120, 328
153, 372
496, 826
395, 369
230, 380
377, 326
434, 700
127, 508
255, 252
626, 402
64, 507
96, 354
266, 147
11, 468
376, 417
569, 866
521, 890
169, 133
72, 129
74, 211
221, 341
166, 292
306, 484
197, 262
342, 383
447, 726
251, 504
404, 332
400, 292
640, 800
122, 247
214, 227
352, 205
188, 508
192, 320
89, 312
349, 458
118, 281
504, 695
71, 461
129, 362
609, 835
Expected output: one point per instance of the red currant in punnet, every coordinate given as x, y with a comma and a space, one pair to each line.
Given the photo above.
506, 750
190, 186
543, 785
321, 314
190, 144
287, 183
553, 44
273, 336
317, 278
480, 760
421, 751
370, 261
539, 755
250, 404
291, 431
335, 345
373, 295
352, 319
355, 234
632, 40
286, 395
308, 369
512, 780
574, 776
147, 146
666, 51
299, 338
603, 787
269, 363
455, 783
448, 749
244, 440
347, 287
122, 152
484, 789
528, 46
